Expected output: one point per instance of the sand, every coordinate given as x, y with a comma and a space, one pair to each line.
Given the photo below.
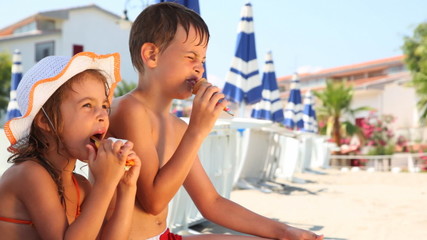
344, 205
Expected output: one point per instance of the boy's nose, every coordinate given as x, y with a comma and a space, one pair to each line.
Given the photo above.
200, 68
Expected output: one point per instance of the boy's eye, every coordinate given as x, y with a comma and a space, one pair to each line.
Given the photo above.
190, 57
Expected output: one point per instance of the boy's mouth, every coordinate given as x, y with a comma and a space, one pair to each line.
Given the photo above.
192, 82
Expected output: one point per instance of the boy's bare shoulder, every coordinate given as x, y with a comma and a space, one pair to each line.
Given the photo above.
127, 111
127, 104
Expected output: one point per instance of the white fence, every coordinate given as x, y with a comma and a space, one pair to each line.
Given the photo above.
236, 150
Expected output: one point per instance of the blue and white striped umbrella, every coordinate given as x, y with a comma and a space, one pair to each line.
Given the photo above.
309, 114
270, 107
293, 110
242, 81
12, 107
192, 4
179, 109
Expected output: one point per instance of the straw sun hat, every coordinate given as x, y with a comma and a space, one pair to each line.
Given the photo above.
44, 78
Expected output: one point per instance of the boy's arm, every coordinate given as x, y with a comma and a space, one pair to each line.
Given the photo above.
160, 137
231, 215
157, 184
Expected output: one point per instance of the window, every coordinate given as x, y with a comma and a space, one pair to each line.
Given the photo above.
44, 49
46, 25
77, 49
26, 28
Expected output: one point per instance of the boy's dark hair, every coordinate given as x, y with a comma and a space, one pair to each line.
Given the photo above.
158, 24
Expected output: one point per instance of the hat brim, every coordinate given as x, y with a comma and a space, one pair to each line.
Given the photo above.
18, 129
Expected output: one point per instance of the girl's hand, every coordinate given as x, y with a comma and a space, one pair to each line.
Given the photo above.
130, 176
206, 108
107, 163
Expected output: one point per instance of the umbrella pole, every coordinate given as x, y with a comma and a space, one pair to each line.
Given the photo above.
242, 109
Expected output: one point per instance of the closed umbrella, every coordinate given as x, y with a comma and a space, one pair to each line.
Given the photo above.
309, 114
270, 107
293, 110
192, 4
179, 109
12, 107
243, 85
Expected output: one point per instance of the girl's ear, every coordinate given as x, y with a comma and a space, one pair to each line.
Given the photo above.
41, 121
149, 54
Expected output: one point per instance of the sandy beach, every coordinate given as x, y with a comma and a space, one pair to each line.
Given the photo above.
344, 205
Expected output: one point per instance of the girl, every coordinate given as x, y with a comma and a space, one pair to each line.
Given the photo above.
65, 103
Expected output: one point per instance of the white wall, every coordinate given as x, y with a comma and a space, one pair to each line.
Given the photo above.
401, 102
96, 30
370, 98
102, 34
27, 47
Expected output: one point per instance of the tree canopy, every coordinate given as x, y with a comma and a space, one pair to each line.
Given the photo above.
5, 76
415, 50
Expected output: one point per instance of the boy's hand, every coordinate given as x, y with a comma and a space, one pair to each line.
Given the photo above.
300, 234
206, 108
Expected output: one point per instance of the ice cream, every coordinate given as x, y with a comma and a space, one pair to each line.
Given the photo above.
129, 163
196, 88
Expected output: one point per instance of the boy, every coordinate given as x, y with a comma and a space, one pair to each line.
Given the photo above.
168, 47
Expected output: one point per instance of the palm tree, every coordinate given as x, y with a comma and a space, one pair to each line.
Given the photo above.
336, 102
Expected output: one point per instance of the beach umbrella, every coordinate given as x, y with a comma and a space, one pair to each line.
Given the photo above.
293, 110
192, 4
309, 114
12, 107
243, 85
179, 109
270, 107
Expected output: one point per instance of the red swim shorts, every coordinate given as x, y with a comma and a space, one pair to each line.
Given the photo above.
167, 235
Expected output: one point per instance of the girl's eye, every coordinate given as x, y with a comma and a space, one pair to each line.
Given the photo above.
106, 107
87, 105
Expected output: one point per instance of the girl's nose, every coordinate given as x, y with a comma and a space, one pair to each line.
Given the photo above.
102, 114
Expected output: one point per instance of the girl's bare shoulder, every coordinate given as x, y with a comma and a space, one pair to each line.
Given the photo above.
27, 173
26, 180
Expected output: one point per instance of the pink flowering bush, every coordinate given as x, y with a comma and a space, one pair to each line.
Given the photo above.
378, 134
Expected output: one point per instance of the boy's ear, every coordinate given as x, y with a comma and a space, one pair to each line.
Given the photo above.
149, 54
41, 121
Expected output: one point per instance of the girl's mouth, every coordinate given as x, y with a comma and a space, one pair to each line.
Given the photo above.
96, 140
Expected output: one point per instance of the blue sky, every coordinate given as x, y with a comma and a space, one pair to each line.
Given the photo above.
302, 34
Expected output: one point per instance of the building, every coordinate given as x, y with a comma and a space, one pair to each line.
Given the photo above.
67, 32
381, 84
